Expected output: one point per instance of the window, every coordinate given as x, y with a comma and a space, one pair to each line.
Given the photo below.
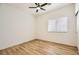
52, 25
58, 25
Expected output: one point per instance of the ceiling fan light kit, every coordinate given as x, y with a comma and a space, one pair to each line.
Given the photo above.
38, 8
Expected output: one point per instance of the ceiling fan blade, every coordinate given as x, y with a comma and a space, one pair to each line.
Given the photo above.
42, 9
37, 10
77, 13
44, 4
32, 7
36, 3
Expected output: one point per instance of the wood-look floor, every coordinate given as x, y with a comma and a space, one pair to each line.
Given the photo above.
40, 47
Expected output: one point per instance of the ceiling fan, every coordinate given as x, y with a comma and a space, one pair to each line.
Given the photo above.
77, 13
40, 6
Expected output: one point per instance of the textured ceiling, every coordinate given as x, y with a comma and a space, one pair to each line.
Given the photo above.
24, 7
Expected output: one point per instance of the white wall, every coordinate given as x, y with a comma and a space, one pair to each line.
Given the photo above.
68, 38
16, 26
77, 8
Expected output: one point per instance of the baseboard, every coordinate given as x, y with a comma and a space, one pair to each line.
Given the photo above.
56, 43
17, 44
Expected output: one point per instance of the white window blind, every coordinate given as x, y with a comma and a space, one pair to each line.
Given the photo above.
58, 25
51, 25
62, 24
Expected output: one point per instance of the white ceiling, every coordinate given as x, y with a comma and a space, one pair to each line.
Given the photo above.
24, 7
